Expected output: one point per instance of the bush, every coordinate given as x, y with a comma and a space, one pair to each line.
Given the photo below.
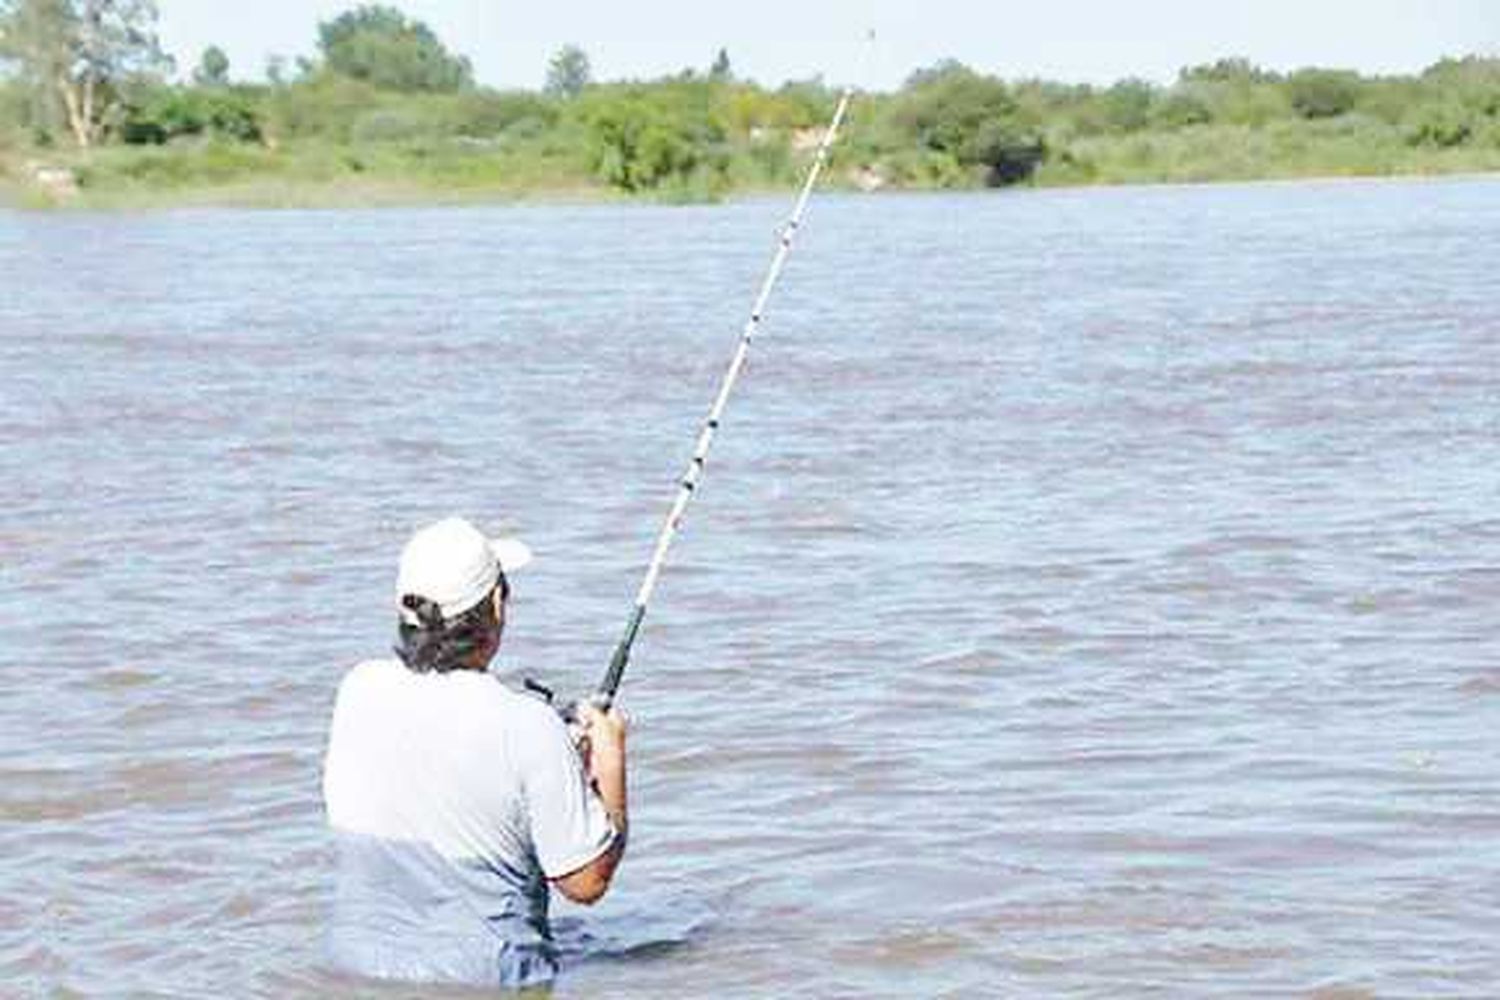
973, 119
944, 107
646, 138
634, 148
170, 112
1441, 126
1009, 152
1323, 93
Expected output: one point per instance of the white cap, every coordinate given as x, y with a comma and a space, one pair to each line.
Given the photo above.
452, 564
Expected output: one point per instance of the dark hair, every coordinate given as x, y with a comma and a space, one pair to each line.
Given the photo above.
437, 644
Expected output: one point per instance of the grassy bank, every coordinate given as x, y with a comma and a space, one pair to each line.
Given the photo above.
310, 175
329, 175
1277, 151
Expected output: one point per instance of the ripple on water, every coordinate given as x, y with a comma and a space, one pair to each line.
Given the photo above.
121, 679
1485, 684
31, 795
908, 948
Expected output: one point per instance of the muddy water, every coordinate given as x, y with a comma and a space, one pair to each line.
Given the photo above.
1092, 593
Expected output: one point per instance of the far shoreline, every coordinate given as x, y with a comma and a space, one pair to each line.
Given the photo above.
21, 197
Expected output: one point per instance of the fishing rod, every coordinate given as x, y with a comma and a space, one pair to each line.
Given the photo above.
604, 696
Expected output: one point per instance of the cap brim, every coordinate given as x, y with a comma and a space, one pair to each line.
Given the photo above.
511, 552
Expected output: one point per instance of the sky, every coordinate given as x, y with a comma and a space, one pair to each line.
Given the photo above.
771, 41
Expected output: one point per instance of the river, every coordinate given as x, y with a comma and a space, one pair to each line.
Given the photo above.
1091, 593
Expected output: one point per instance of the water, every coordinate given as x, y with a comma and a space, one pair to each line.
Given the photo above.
1092, 593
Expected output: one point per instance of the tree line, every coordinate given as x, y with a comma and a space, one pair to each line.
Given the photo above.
384, 94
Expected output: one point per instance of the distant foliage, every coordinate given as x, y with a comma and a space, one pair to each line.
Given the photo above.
1182, 107
568, 72
1236, 70
81, 59
1323, 93
1441, 126
394, 124
973, 119
647, 138
803, 103
378, 45
1009, 151
490, 113
213, 68
387, 101
210, 112
720, 70
1127, 105
14, 111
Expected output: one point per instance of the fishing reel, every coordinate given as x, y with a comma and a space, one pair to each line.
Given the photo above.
566, 710
540, 691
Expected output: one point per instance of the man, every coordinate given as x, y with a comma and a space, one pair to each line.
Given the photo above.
454, 800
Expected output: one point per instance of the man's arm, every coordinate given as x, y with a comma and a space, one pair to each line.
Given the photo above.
605, 733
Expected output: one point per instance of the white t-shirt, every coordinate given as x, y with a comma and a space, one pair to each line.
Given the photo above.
452, 800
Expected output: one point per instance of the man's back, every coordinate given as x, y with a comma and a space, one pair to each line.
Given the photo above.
452, 800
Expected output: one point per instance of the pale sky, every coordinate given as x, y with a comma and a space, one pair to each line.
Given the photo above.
1076, 41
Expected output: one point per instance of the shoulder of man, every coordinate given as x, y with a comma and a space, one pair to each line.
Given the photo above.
533, 710
371, 674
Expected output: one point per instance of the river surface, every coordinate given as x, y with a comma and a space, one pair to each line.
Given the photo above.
1091, 593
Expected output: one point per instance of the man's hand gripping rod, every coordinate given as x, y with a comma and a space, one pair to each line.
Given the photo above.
605, 695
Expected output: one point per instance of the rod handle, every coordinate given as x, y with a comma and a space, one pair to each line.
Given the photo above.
604, 695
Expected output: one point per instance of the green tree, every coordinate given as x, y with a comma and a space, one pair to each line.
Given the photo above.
568, 72
720, 69
377, 44
213, 68
85, 53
